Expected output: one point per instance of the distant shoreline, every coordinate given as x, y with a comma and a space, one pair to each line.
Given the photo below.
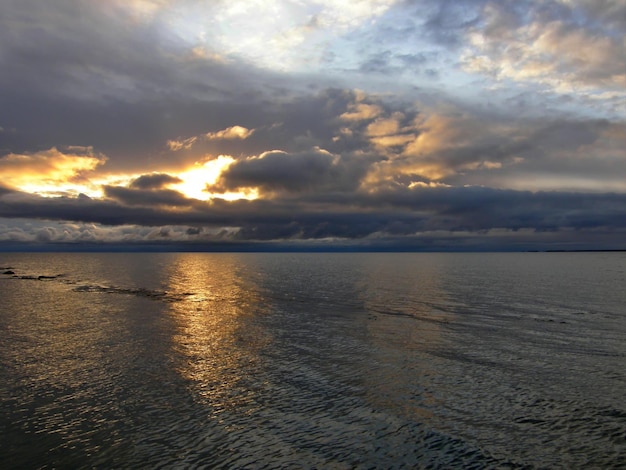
577, 251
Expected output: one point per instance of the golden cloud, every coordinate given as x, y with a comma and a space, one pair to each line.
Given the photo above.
387, 132
50, 171
397, 140
230, 133
361, 112
384, 126
185, 144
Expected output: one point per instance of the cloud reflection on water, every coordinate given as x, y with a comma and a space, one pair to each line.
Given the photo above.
406, 308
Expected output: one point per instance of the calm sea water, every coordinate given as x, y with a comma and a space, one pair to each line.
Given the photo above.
313, 360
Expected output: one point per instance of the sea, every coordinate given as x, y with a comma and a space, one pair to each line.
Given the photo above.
313, 360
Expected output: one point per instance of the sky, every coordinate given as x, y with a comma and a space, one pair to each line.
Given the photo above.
423, 124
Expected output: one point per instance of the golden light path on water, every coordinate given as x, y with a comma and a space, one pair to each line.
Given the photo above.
220, 333
215, 329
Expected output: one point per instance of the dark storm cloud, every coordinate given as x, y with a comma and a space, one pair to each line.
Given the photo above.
290, 123
400, 212
330, 119
154, 181
89, 79
5, 190
84, 73
153, 197
476, 208
313, 170
461, 146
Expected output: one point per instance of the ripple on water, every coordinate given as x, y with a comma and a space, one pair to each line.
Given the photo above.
233, 370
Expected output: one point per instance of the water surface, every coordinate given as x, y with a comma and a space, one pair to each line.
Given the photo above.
313, 360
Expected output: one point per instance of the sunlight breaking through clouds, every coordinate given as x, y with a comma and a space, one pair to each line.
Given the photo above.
313, 120
196, 182
52, 172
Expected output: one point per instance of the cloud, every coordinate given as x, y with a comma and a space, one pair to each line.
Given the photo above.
609, 13
185, 144
552, 48
381, 141
275, 171
283, 35
5, 190
396, 212
80, 233
463, 146
234, 132
447, 20
230, 133
142, 197
389, 131
558, 53
488, 102
361, 111
122, 84
375, 140
154, 181
49, 170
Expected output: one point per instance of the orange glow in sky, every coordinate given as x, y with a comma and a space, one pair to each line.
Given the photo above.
201, 175
196, 179
52, 182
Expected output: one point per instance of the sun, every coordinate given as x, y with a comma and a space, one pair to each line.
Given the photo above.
195, 181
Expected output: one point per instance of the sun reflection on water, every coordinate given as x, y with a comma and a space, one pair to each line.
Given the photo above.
216, 333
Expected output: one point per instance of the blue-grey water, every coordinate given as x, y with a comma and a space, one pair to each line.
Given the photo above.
313, 360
